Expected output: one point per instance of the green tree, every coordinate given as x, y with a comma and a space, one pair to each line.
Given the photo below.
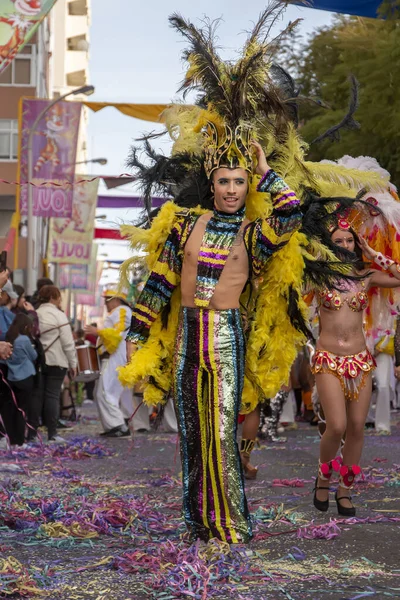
370, 50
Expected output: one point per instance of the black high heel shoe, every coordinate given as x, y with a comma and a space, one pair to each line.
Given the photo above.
321, 505
345, 511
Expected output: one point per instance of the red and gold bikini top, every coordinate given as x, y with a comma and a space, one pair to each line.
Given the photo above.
333, 300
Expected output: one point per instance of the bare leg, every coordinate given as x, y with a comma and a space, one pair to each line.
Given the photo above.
334, 405
357, 412
249, 434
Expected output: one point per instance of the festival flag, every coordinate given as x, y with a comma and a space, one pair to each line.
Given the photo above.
19, 19
53, 156
360, 8
71, 240
75, 277
92, 296
81, 279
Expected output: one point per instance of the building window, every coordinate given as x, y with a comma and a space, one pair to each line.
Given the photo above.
78, 8
8, 139
22, 69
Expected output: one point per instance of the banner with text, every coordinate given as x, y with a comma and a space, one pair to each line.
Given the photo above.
71, 240
92, 296
81, 279
19, 19
53, 157
74, 277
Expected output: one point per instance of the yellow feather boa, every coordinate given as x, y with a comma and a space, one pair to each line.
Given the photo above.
111, 337
273, 341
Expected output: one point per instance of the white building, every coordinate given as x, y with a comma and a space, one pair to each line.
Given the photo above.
54, 62
70, 24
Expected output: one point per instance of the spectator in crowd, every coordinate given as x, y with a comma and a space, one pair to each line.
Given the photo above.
5, 350
39, 285
59, 351
25, 307
21, 375
3, 279
8, 299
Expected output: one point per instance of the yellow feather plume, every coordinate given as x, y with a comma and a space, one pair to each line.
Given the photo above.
273, 341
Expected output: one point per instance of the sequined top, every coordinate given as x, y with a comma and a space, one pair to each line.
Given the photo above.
397, 342
262, 238
333, 300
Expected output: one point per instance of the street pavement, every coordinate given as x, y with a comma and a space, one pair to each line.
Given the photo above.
100, 518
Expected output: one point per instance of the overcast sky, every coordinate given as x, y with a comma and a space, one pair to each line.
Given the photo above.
135, 56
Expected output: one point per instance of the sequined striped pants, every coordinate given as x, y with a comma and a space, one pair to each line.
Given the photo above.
208, 383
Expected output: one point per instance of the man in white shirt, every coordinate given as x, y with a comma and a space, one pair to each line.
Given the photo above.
114, 403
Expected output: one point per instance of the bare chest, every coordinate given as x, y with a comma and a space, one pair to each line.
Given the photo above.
237, 259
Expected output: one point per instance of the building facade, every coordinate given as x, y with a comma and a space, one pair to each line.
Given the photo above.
70, 56
54, 62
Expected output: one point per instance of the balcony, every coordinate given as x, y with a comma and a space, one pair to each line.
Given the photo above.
78, 8
77, 78
78, 43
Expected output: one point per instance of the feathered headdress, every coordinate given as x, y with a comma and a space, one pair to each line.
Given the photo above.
378, 220
252, 98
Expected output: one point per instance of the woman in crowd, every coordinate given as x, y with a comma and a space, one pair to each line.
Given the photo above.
59, 351
21, 374
23, 306
8, 299
343, 366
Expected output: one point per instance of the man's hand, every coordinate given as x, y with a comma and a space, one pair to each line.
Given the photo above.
90, 330
72, 373
131, 348
5, 350
262, 165
397, 372
3, 278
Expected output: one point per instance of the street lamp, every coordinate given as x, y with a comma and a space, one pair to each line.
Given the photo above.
100, 161
31, 262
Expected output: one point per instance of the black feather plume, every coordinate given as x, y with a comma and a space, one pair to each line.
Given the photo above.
348, 122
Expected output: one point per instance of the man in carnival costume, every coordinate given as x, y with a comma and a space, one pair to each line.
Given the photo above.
113, 402
201, 327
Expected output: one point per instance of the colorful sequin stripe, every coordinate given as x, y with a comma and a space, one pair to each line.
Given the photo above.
208, 382
160, 284
352, 371
263, 237
282, 195
219, 236
397, 343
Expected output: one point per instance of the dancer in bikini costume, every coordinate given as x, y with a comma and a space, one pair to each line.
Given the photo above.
343, 367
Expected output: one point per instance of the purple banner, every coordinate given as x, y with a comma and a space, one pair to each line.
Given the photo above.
53, 157
127, 202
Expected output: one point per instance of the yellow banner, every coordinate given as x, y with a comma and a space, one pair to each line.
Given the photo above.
145, 112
